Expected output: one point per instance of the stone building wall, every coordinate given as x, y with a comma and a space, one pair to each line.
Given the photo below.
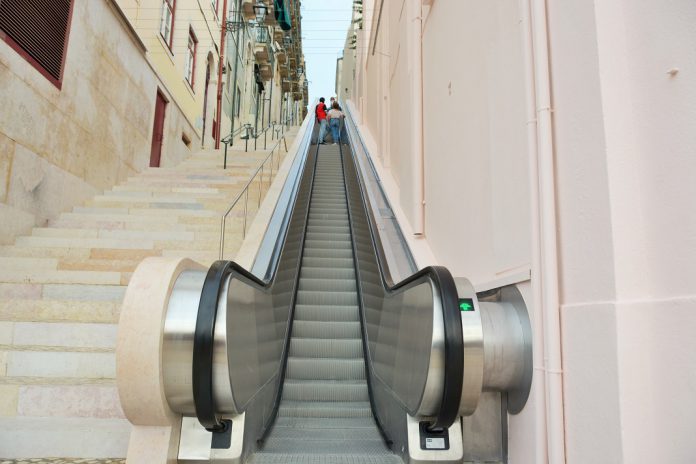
59, 147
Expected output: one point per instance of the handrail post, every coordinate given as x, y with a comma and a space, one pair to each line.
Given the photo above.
222, 236
246, 202
260, 185
224, 166
265, 132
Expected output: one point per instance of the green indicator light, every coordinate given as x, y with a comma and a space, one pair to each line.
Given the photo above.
466, 304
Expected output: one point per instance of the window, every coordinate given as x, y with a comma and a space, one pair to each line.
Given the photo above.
191, 57
238, 102
38, 31
167, 24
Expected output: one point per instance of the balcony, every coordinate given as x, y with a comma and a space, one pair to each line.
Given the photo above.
248, 10
261, 53
281, 56
284, 71
297, 96
266, 72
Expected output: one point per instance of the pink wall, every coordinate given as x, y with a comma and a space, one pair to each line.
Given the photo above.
623, 119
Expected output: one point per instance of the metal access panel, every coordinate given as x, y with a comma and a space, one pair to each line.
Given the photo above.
484, 433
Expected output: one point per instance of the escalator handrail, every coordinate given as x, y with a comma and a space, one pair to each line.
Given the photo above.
448, 410
219, 271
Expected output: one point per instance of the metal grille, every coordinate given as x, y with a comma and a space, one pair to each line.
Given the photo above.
39, 28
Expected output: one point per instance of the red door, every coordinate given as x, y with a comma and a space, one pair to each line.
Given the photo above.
158, 131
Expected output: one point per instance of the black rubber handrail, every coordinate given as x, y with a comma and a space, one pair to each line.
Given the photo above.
203, 341
448, 410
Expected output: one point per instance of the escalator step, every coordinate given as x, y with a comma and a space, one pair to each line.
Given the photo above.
327, 273
328, 409
327, 298
316, 390
326, 313
323, 348
325, 369
324, 329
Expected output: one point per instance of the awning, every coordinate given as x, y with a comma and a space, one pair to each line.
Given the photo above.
282, 15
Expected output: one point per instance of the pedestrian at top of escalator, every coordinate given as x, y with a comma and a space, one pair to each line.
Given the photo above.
332, 101
334, 116
320, 113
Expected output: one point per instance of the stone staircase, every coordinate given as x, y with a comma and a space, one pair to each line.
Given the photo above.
60, 294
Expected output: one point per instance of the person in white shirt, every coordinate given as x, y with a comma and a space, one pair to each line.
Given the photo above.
334, 116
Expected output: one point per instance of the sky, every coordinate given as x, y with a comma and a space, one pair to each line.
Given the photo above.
324, 27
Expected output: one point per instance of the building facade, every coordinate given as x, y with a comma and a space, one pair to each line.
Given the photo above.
551, 148
130, 85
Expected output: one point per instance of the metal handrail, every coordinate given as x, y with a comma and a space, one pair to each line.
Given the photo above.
245, 191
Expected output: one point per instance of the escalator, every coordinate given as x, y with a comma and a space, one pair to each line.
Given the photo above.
325, 412
316, 354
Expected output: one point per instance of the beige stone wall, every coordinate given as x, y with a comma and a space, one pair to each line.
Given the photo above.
59, 147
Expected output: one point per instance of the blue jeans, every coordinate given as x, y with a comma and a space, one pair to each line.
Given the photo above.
322, 130
335, 124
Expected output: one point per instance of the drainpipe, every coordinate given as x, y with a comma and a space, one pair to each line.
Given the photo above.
416, 36
238, 4
550, 430
218, 112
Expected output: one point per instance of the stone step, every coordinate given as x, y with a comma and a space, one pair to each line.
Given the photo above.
83, 292
173, 212
147, 235
27, 263
150, 195
205, 257
122, 266
67, 335
59, 277
39, 252
95, 223
191, 245
109, 217
98, 401
136, 204
66, 242
127, 189
20, 309
60, 365
185, 199
55, 436
55, 232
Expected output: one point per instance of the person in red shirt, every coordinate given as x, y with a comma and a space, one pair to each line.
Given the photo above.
320, 113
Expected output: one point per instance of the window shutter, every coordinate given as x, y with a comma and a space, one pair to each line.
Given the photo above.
39, 28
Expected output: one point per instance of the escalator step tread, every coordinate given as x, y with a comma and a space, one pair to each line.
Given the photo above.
327, 285
325, 348
326, 313
328, 273
325, 390
325, 369
328, 409
326, 329
276, 458
327, 298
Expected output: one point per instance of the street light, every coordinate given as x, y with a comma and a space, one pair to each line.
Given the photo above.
260, 9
